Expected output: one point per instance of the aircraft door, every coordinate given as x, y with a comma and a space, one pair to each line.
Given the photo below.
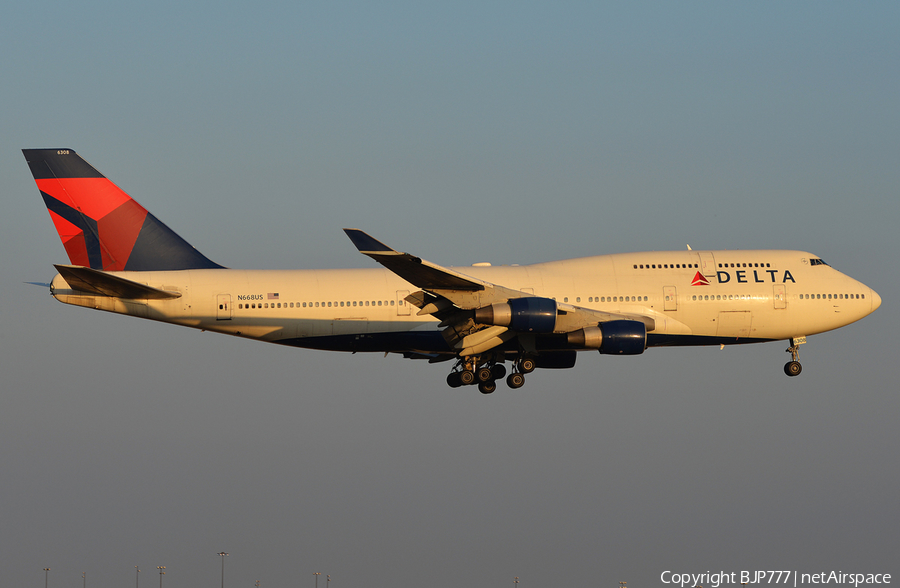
780, 296
670, 298
223, 310
707, 263
402, 305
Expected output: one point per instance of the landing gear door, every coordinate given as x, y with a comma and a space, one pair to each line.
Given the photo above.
223, 307
670, 299
779, 296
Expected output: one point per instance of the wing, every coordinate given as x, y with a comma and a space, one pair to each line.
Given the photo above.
477, 315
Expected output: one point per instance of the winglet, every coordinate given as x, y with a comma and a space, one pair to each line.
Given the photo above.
415, 270
367, 243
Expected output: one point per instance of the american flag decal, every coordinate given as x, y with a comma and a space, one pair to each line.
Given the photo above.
273, 296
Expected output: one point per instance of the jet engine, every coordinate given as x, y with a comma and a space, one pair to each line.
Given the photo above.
528, 315
612, 337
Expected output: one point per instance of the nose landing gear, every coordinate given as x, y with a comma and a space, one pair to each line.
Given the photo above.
793, 367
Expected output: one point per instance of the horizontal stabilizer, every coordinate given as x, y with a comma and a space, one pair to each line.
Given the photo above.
101, 283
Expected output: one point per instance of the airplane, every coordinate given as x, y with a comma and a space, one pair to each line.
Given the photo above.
478, 318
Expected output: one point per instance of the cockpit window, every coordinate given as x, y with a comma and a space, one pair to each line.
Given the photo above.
817, 262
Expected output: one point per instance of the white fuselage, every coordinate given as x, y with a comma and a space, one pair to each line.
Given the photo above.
717, 297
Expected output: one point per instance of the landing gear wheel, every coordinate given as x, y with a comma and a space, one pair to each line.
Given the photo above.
453, 380
498, 371
793, 368
526, 366
487, 387
485, 374
515, 381
467, 377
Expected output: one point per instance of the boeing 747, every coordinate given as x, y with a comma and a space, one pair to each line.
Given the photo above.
478, 318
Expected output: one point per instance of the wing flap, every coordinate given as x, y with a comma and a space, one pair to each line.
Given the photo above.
105, 284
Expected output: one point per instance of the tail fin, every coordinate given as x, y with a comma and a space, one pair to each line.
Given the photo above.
101, 226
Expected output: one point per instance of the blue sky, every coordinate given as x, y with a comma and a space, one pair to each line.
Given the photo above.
501, 132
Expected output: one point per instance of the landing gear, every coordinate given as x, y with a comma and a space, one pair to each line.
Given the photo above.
498, 372
793, 367
487, 387
486, 371
526, 365
515, 380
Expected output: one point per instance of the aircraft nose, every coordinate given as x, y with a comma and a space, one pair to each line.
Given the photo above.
876, 299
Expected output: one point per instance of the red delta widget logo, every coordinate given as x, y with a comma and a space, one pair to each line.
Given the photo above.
741, 277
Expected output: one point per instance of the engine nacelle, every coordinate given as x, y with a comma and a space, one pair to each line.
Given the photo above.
612, 337
529, 315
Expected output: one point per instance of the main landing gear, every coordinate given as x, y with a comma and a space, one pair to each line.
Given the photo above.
793, 367
470, 370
